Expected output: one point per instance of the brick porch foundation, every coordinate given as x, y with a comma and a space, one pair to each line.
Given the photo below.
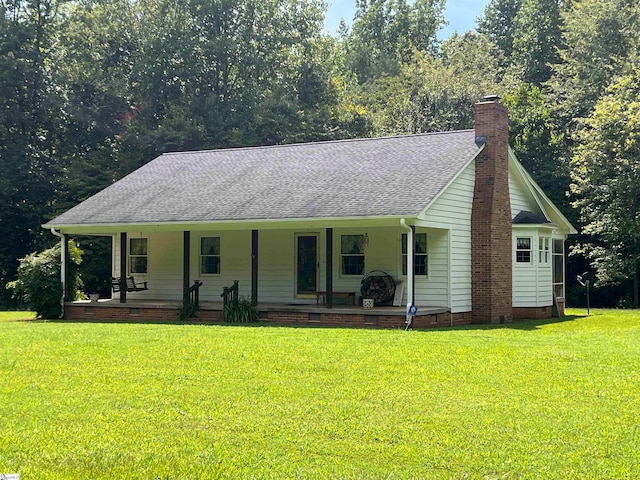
357, 318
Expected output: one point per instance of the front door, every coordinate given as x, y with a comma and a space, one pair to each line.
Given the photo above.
306, 265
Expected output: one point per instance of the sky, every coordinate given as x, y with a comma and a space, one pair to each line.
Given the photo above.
461, 15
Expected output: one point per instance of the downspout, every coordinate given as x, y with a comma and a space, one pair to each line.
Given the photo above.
404, 225
63, 267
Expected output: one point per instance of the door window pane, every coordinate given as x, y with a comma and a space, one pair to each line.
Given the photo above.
307, 260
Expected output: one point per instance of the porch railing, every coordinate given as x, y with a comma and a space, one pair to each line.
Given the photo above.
192, 299
230, 294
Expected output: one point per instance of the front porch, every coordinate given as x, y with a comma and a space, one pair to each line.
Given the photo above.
302, 314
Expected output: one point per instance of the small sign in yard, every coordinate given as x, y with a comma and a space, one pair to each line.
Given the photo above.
9, 476
412, 311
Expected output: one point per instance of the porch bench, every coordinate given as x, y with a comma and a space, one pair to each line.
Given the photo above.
132, 286
350, 297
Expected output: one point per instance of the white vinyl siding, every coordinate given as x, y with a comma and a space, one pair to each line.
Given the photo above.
432, 291
532, 281
276, 265
452, 210
520, 197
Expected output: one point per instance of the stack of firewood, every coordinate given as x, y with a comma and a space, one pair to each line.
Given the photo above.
379, 286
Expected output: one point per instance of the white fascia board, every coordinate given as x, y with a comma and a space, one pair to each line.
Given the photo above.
423, 213
534, 226
264, 224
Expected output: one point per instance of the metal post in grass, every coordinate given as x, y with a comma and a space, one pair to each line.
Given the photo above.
585, 283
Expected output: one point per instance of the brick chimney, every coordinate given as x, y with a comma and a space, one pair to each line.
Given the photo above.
491, 257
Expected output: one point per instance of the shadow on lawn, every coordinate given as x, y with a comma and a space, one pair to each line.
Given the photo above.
533, 324
145, 321
522, 324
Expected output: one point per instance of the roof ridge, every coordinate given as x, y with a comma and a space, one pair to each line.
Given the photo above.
344, 140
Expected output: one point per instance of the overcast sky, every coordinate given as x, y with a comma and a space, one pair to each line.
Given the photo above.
461, 15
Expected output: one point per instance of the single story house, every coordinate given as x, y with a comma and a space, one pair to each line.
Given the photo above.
452, 218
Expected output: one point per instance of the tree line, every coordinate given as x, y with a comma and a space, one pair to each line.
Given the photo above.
92, 89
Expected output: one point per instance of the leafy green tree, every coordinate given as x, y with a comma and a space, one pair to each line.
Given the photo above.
537, 143
229, 73
536, 39
386, 33
599, 36
29, 118
155, 76
606, 175
473, 58
498, 24
434, 94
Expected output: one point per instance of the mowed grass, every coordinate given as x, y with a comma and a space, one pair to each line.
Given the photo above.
536, 400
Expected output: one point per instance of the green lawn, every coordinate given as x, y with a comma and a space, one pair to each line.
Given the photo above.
528, 400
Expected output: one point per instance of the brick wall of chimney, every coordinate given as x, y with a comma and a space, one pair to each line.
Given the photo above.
491, 257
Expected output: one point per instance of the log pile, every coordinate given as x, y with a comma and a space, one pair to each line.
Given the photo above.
379, 286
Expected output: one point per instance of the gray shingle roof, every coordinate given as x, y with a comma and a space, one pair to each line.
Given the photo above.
390, 176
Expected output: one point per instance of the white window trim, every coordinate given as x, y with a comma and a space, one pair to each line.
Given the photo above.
544, 254
200, 256
530, 250
363, 255
402, 255
130, 256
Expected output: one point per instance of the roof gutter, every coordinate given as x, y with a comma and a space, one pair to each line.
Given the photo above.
63, 268
410, 248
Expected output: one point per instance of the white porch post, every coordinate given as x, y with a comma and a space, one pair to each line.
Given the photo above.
63, 267
410, 248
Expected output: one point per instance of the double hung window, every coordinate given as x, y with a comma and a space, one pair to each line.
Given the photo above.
543, 250
352, 254
523, 250
210, 255
138, 255
420, 256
